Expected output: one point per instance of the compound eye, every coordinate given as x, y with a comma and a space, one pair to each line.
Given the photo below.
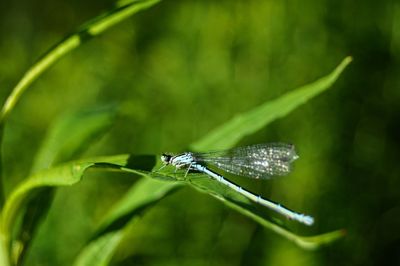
165, 158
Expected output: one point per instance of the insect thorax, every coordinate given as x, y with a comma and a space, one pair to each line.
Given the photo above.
182, 160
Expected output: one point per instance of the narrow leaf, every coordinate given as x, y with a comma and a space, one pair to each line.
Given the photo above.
241, 204
89, 29
64, 175
122, 10
71, 173
226, 136
229, 133
70, 135
100, 252
145, 193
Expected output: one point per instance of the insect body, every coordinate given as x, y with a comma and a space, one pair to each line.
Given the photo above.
257, 161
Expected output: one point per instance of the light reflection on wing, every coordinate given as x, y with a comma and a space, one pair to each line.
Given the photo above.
256, 161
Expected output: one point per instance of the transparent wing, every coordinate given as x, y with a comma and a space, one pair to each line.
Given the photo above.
256, 161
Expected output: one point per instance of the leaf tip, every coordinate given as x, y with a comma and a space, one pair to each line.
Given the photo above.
348, 59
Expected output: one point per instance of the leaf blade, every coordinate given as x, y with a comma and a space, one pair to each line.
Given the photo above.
69, 136
243, 205
72, 134
229, 133
99, 252
68, 174
145, 193
94, 27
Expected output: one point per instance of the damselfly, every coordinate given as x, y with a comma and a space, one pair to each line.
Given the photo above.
256, 161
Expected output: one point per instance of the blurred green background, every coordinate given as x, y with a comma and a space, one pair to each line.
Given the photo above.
182, 68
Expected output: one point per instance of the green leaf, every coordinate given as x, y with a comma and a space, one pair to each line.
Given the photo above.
94, 27
122, 10
229, 133
243, 205
63, 175
145, 193
142, 195
71, 173
224, 137
100, 252
70, 135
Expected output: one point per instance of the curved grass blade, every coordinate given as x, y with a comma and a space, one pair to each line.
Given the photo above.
295, 99
94, 27
122, 10
241, 204
71, 135
305, 242
63, 175
71, 173
142, 195
145, 193
100, 252
228, 134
